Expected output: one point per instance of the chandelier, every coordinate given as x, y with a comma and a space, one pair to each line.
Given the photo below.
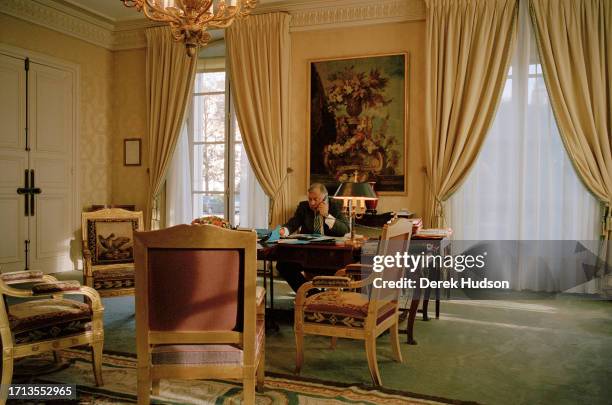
189, 19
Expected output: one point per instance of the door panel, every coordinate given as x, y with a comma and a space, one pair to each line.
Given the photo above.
12, 103
13, 163
51, 158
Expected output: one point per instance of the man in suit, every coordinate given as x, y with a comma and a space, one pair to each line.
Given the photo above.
317, 215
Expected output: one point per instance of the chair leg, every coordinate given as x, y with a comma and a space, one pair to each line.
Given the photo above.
7, 377
261, 372
96, 358
155, 387
248, 390
299, 350
143, 386
334, 343
370, 346
395, 342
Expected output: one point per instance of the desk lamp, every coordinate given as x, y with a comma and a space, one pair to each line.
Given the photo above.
353, 196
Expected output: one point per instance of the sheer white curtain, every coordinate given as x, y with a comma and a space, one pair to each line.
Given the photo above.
179, 208
253, 200
523, 185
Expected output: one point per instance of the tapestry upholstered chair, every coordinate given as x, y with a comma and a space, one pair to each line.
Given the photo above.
108, 250
353, 309
47, 321
199, 313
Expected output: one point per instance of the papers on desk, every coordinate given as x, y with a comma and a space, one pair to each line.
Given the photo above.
434, 233
302, 238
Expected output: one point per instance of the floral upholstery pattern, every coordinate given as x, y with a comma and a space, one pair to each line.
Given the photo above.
205, 354
21, 276
111, 279
342, 308
42, 319
212, 220
58, 286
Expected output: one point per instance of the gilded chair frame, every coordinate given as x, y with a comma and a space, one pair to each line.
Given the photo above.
107, 214
12, 351
398, 229
251, 372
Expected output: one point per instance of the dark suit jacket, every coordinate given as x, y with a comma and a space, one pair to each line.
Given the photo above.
304, 219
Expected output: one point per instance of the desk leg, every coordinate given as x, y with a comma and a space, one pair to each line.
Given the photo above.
414, 306
426, 304
271, 287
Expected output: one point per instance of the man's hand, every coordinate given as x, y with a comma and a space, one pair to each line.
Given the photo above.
323, 209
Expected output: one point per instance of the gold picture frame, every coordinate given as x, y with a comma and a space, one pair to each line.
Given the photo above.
132, 152
358, 121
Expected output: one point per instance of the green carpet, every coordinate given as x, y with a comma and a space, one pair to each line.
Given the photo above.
549, 351
119, 373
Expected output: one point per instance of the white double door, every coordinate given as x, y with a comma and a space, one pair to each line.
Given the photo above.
37, 128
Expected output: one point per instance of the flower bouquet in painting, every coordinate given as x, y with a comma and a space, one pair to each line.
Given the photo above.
357, 121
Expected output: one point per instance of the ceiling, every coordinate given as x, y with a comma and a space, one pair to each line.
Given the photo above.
114, 10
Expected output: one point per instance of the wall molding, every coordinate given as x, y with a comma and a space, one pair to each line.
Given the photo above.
327, 14
121, 35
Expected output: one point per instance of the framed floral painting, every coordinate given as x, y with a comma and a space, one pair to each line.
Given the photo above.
358, 115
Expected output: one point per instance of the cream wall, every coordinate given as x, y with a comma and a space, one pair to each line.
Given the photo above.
95, 63
129, 121
359, 41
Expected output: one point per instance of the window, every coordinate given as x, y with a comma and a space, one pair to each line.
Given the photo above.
219, 162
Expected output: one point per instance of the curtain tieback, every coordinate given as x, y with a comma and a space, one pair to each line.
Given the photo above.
606, 226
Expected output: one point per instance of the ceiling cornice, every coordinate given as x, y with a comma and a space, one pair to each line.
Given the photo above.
323, 14
307, 15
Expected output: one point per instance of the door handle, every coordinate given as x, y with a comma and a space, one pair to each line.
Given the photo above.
25, 190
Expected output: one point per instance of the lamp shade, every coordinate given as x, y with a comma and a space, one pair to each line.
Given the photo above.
355, 191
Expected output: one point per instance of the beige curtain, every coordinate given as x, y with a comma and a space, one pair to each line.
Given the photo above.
170, 73
259, 52
468, 50
575, 44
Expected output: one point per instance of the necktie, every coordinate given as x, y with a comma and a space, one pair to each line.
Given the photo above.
318, 224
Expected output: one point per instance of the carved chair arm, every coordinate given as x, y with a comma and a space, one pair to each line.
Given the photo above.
20, 277
55, 287
94, 297
87, 259
354, 269
331, 282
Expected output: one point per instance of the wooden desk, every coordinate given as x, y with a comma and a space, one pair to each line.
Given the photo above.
322, 258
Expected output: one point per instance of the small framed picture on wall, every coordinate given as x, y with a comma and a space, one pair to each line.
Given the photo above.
132, 152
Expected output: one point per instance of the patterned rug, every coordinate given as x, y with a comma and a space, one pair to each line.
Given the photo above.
119, 372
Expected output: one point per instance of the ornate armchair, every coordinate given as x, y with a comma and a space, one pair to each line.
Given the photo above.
50, 323
108, 257
342, 311
199, 313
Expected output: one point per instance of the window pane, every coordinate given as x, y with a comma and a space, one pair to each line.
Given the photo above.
235, 128
238, 151
237, 210
209, 167
209, 118
207, 82
209, 204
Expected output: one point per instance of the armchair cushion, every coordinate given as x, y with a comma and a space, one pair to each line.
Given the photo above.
55, 287
116, 278
204, 354
21, 276
342, 308
331, 281
42, 319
